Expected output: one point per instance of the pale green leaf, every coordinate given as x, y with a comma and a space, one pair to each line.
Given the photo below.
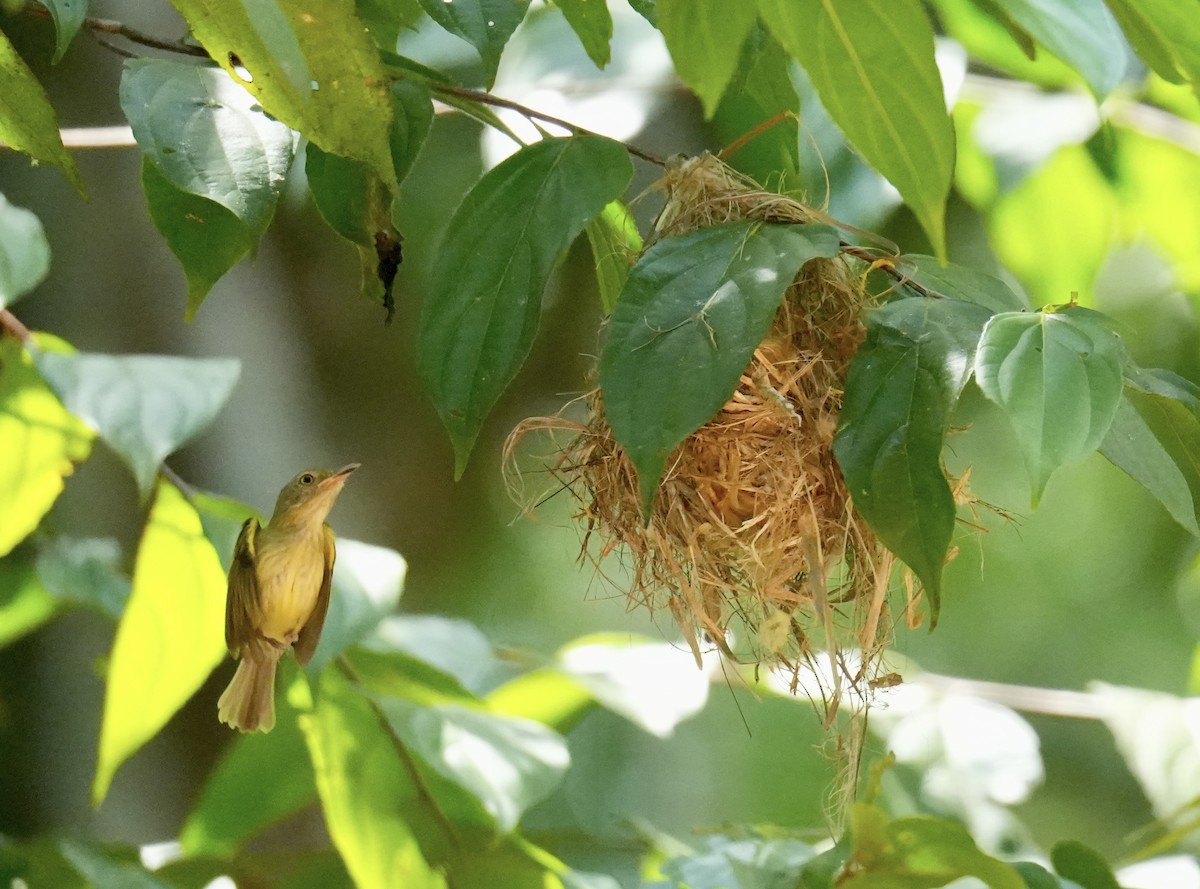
506, 762
143, 406
366, 792
693, 311
171, 636
749, 861
24, 252
42, 443
27, 120
881, 86
86, 571
208, 136
311, 64
485, 24
705, 40
615, 244
1165, 33
1080, 32
68, 16
452, 645
1058, 377
593, 25
479, 318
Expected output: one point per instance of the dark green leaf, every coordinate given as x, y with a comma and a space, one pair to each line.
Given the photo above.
42, 442
960, 282
413, 109
38, 862
108, 871
367, 581
170, 637
143, 406
1036, 876
385, 19
693, 311
615, 243
705, 40
85, 570
1058, 377
592, 24
310, 64
208, 136
27, 120
1085, 866
24, 603
506, 762
68, 16
647, 9
207, 239
898, 123
1080, 32
485, 24
901, 389
1165, 33
24, 252
480, 316
261, 779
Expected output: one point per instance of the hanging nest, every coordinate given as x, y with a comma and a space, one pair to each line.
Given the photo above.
752, 545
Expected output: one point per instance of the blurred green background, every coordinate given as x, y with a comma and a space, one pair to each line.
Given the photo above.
1082, 588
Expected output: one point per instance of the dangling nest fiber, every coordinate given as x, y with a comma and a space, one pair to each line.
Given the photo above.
752, 544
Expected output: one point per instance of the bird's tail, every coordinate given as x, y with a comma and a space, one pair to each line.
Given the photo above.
248, 704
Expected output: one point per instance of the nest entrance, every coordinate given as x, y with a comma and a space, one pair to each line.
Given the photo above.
752, 544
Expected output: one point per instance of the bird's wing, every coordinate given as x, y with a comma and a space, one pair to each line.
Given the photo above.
310, 633
243, 610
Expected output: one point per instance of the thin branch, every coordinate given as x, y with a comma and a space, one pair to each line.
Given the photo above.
888, 268
109, 26
10, 324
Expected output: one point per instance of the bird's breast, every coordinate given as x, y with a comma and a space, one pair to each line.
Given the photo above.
289, 579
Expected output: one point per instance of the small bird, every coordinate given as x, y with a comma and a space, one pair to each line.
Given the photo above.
278, 594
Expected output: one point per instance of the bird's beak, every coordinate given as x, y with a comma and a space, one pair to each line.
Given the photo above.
338, 479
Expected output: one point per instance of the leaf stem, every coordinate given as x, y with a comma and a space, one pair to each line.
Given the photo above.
10, 324
109, 26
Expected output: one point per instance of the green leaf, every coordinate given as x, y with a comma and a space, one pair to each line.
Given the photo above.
1080, 32
1155, 439
42, 443
261, 779
143, 406
85, 570
451, 645
647, 9
615, 243
1058, 377
480, 316
385, 19
705, 40
68, 16
310, 63
27, 120
367, 581
693, 310
898, 123
506, 762
208, 136
207, 239
545, 695
24, 252
1085, 866
742, 862
1165, 33
108, 872
959, 282
902, 387
39, 862
24, 603
171, 636
366, 793
485, 24
592, 24
1036, 876
413, 117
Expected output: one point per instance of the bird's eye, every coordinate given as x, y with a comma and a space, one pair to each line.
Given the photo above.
307, 479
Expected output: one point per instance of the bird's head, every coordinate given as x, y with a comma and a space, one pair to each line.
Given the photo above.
308, 497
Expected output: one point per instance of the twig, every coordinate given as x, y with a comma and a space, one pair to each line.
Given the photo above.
109, 26
888, 268
10, 324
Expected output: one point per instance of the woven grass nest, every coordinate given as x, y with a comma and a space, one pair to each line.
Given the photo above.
753, 545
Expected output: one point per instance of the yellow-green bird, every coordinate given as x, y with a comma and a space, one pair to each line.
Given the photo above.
278, 593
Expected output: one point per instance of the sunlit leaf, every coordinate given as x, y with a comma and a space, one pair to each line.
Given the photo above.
42, 443
592, 24
899, 124
959, 282
705, 40
310, 63
171, 636
68, 16
453, 645
261, 779
367, 581
365, 791
24, 603
479, 319
485, 24
24, 252
506, 762
27, 120
693, 311
546, 695
85, 570
1165, 34
1080, 32
143, 406
615, 243
1058, 378
902, 387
